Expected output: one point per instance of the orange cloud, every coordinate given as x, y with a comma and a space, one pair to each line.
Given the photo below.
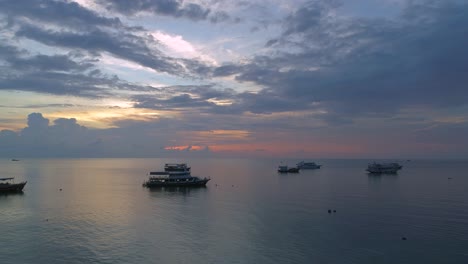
187, 147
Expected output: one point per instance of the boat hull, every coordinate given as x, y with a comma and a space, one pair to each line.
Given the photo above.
310, 167
12, 187
153, 184
382, 171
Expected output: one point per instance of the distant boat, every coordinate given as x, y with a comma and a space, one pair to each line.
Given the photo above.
7, 185
14, 159
282, 169
174, 174
286, 169
308, 165
390, 168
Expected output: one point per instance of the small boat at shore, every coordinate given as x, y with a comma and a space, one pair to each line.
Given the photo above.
379, 168
7, 185
308, 165
174, 174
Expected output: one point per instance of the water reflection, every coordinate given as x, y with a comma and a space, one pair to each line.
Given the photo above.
6, 194
378, 177
178, 189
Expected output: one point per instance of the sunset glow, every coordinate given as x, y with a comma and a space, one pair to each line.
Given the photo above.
303, 78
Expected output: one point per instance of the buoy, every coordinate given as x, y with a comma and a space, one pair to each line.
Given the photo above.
403, 238
329, 211
60, 189
334, 211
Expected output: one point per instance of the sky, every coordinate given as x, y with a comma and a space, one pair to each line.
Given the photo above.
257, 78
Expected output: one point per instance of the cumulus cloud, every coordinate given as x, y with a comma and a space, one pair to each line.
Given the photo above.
65, 137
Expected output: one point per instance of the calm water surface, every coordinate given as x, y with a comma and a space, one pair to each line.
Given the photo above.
248, 213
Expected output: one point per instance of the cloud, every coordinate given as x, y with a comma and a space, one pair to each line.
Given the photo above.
174, 8
317, 72
122, 45
68, 29
356, 67
66, 138
65, 13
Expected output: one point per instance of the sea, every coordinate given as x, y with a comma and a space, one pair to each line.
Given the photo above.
97, 211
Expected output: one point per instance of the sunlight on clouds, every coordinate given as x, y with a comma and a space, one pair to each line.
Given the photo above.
102, 118
187, 148
220, 102
177, 46
213, 136
117, 63
288, 149
102, 113
135, 72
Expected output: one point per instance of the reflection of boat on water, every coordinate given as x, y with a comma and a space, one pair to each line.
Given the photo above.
286, 169
384, 168
7, 185
178, 189
308, 165
174, 174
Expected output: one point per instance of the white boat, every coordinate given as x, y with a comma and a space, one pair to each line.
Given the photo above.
174, 174
308, 165
384, 167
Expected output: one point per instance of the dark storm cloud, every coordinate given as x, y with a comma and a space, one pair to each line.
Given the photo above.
66, 13
178, 101
69, 26
56, 74
312, 15
48, 63
126, 46
193, 98
365, 66
174, 8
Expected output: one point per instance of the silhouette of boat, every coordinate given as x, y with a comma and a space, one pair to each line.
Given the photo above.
379, 168
286, 169
7, 185
174, 174
308, 165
